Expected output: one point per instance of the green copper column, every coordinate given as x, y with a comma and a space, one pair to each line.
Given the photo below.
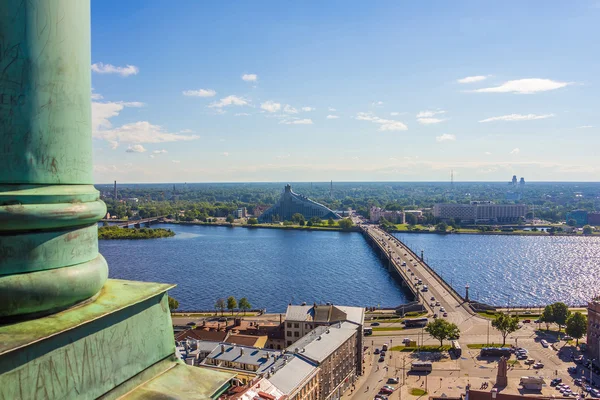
48, 206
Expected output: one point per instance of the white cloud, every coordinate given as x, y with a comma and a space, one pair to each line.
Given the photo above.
159, 151
377, 103
446, 137
384, 124
199, 93
113, 144
332, 117
332, 109
101, 68
585, 127
231, 100
136, 148
429, 113
175, 161
102, 112
525, 86
487, 153
395, 113
250, 77
515, 151
283, 156
242, 114
141, 132
96, 96
389, 125
270, 106
305, 121
308, 109
289, 109
518, 117
472, 79
225, 154
186, 131
430, 121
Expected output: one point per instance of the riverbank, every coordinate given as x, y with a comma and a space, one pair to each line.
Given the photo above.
265, 226
115, 233
524, 231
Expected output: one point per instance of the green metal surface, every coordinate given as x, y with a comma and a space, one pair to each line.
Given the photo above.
183, 382
86, 351
45, 86
48, 206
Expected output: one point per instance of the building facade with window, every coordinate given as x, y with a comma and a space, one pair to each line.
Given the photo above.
593, 329
481, 211
334, 349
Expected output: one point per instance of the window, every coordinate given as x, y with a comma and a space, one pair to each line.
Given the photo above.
289, 333
289, 324
296, 325
289, 342
296, 334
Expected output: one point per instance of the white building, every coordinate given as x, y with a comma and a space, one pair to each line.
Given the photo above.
376, 213
481, 211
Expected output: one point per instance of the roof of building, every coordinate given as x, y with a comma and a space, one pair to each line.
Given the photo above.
325, 314
264, 359
202, 334
261, 389
292, 374
323, 340
246, 340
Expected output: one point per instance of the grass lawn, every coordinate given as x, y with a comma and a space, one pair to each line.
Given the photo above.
418, 392
514, 363
482, 345
387, 328
427, 349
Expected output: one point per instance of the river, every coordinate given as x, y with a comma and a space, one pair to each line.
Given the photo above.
514, 270
270, 267
273, 267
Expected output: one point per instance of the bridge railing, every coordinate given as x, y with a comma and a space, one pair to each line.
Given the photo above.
461, 300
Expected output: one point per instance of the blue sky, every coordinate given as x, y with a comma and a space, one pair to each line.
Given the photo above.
345, 91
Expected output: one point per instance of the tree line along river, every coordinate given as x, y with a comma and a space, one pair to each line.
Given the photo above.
275, 267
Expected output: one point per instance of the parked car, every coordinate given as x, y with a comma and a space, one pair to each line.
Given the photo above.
385, 390
393, 381
405, 340
544, 342
526, 321
376, 351
538, 365
374, 323
445, 314
530, 361
381, 358
381, 397
435, 315
567, 337
555, 381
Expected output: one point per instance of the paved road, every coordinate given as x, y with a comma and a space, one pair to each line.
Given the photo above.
457, 311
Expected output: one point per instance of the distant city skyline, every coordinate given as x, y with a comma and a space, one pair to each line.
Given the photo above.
345, 91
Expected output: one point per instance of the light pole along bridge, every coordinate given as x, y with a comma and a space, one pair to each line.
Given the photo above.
396, 254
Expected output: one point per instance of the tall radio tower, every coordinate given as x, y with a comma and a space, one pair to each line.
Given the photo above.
331, 190
452, 179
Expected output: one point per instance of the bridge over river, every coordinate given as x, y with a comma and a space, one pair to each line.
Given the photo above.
397, 254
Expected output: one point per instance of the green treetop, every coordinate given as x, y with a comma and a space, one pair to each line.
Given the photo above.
576, 326
441, 330
506, 324
231, 303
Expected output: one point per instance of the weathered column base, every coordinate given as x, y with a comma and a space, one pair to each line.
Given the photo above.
118, 346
